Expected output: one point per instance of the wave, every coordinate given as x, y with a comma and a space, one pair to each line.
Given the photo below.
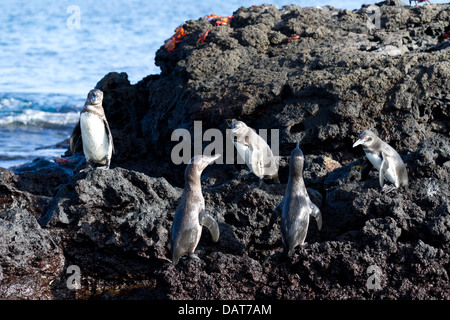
50, 111
39, 119
10, 104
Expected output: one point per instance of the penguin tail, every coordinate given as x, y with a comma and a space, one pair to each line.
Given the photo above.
175, 257
288, 251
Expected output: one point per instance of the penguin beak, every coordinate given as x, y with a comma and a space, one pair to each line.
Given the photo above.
357, 143
94, 100
236, 126
213, 158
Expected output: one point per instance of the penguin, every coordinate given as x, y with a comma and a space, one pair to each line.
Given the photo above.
296, 206
190, 215
93, 128
385, 159
255, 151
410, 1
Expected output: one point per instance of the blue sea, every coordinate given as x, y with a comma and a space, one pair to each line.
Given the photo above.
53, 52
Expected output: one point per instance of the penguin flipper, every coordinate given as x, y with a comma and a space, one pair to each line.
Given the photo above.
279, 208
110, 137
383, 168
76, 135
208, 221
315, 212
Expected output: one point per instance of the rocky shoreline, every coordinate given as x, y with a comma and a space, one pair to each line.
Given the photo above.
335, 77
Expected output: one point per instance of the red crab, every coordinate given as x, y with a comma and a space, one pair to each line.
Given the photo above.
178, 37
222, 21
419, 1
61, 160
202, 37
170, 45
447, 36
293, 37
212, 16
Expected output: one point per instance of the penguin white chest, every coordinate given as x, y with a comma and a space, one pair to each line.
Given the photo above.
252, 158
95, 139
242, 150
376, 160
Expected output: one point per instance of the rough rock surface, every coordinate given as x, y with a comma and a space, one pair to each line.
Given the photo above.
341, 76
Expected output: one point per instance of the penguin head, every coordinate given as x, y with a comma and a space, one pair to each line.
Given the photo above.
198, 163
366, 138
95, 96
238, 128
297, 160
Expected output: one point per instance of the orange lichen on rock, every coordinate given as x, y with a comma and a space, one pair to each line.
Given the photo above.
331, 164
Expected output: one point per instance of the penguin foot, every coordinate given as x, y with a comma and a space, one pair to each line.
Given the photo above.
388, 188
89, 166
190, 257
193, 256
103, 167
287, 251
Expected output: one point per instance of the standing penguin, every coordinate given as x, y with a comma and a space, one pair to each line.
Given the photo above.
94, 131
296, 206
255, 151
191, 215
385, 159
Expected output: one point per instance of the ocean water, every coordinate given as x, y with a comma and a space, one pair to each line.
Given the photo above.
53, 52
